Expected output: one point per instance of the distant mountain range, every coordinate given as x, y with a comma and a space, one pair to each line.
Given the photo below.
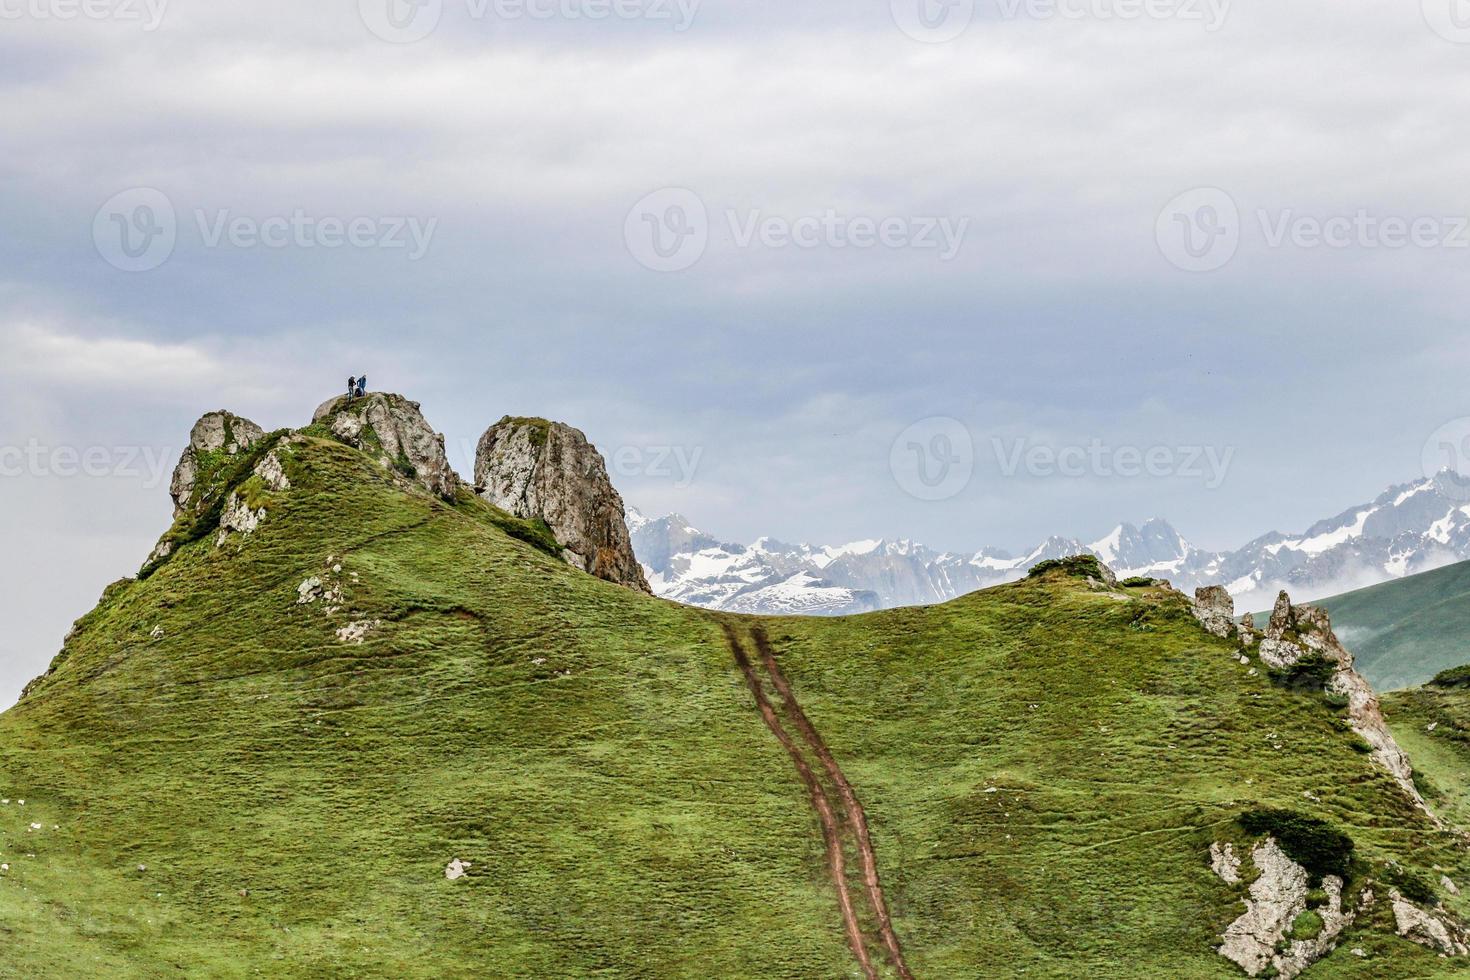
1409, 528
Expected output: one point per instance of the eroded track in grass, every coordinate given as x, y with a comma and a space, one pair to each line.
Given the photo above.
843, 825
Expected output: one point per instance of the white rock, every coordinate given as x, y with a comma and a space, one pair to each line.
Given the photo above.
238, 517
308, 591
1426, 928
1277, 897
1448, 885
456, 869
1224, 862
271, 473
358, 631
157, 632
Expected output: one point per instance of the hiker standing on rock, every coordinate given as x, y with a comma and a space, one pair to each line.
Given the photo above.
362, 386
351, 387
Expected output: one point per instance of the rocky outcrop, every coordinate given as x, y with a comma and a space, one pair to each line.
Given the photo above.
215, 434
392, 428
1260, 937
1298, 632
1215, 610
533, 468
1438, 932
238, 516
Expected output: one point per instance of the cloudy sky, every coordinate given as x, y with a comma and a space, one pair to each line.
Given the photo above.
820, 270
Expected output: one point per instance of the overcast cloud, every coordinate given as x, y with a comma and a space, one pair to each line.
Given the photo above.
896, 230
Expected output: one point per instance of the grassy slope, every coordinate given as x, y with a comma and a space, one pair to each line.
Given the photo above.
1406, 631
1441, 756
595, 755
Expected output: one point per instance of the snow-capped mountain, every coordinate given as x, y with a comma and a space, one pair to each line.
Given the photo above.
1410, 528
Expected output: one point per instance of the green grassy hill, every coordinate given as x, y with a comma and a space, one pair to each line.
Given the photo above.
220, 780
1406, 631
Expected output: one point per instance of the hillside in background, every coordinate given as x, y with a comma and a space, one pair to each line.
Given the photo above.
353, 719
1404, 632
1407, 529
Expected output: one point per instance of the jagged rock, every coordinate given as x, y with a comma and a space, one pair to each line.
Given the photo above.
394, 428
1257, 939
539, 469
1427, 928
1215, 609
271, 472
1448, 885
238, 516
456, 869
1300, 631
1224, 862
213, 433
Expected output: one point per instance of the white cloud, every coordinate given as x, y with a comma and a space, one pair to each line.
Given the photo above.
48, 353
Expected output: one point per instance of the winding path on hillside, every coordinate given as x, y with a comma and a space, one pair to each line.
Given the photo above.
841, 827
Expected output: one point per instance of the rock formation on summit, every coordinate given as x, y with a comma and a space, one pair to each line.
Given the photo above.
539, 469
392, 428
215, 433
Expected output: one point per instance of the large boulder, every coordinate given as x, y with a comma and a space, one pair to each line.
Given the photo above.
393, 428
533, 468
1215, 609
216, 436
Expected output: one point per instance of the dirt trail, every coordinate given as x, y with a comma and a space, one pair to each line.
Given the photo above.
837, 829
831, 833
857, 820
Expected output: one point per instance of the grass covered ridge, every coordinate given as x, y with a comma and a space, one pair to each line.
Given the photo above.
1043, 767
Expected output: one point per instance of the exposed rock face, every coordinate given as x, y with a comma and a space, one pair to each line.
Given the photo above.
1426, 928
1215, 609
394, 428
215, 432
238, 516
1224, 862
1296, 632
1277, 897
539, 469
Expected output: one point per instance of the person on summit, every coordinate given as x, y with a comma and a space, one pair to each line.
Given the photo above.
351, 387
362, 386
